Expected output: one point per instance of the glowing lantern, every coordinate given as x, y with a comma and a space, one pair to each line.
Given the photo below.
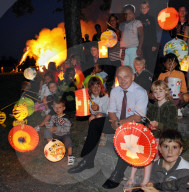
178, 47
79, 79
29, 103
168, 18
109, 38
20, 111
89, 77
82, 102
184, 64
16, 122
61, 75
23, 138
135, 144
30, 73
54, 150
2, 117
103, 50
116, 82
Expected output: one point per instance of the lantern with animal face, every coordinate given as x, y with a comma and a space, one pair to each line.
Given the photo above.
23, 138
2, 117
54, 150
82, 102
20, 111
168, 18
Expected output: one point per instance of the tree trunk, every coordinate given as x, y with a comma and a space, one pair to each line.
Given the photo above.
72, 25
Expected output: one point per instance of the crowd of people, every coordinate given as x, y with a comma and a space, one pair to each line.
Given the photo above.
132, 61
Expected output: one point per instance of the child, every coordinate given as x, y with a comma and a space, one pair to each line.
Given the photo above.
98, 102
99, 70
171, 64
163, 114
59, 128
171, 171
131, 36
67, 88
143, 77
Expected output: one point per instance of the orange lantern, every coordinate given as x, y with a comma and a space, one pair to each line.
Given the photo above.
23, 138
103, 50
82, 102
109, 38
79, 79
168, 18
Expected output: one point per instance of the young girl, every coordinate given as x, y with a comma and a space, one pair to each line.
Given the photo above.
163, 115
171, 65
98, 102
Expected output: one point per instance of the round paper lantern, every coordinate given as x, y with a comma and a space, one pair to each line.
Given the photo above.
30, 73
54, 150
23, 138
20, 111
178, 47
82, 102
135, 144
168, 18
109, 38
89, 77
2, 117
29, 104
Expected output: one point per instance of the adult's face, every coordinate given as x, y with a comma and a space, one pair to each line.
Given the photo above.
125, 77
182, 12
94, 51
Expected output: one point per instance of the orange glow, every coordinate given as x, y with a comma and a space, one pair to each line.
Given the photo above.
116, 82
103, 50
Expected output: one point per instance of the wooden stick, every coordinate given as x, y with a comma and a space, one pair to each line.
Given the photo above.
129, 189
112, 27
183, 35
142, 113
31, 91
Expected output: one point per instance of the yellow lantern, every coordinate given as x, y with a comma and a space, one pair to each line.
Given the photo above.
184, 64
20, 111
103, 50
2, 117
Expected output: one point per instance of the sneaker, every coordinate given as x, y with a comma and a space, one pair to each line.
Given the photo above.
37, 128
71, 160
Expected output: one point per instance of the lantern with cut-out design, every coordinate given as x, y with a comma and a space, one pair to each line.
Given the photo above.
168, 18
103, 50
2, 117
135, 144
109, 38
23, 138
82, 102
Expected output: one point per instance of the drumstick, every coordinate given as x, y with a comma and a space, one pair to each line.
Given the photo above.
129, 189
142, 113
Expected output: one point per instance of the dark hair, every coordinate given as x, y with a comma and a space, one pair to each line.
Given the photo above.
117, 25
52, 82
171, 135
52, 66
96, 80
171, 57
68, 71
100, 66
97, 26
58, 101
128, 7
48, 74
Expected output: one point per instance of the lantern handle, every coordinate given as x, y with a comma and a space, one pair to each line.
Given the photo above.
7, 106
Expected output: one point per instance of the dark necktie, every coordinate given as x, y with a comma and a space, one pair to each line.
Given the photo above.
124, 104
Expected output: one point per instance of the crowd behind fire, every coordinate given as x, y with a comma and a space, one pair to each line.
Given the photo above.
134, 58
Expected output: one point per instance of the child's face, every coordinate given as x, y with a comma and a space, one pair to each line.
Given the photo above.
53, 87
139, 66
70, 76
170, 151
159, 94
47, 79
129, 15
58, 108
144, 9
170, 65
113, 22
96, 69
73, 62
96, 89
94, 51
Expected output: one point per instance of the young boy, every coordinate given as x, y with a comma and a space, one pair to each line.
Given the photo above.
59, 128
131, 36
143, 77
171, 172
